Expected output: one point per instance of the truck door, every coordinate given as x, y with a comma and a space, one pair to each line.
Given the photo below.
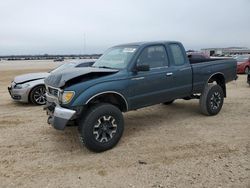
150, 87
180, 70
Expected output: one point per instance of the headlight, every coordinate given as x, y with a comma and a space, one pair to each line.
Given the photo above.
67, 96
21, 86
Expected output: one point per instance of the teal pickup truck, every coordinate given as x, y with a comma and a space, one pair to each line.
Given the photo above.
129, 77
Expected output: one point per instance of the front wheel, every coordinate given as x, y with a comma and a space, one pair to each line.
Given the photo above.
102, 127
211, 100
37, 95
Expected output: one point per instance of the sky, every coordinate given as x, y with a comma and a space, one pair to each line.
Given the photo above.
86, 27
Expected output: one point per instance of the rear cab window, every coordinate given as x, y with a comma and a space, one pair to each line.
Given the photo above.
177, 55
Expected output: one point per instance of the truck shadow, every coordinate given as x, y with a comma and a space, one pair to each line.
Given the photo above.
136, 123
151, 117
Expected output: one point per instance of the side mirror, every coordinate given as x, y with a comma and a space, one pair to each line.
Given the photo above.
142, 68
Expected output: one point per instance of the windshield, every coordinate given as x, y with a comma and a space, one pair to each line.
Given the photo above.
63, 67
116, 58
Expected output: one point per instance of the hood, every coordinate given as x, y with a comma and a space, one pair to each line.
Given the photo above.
30, 77
75, 75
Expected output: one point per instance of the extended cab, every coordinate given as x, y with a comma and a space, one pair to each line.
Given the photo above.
128, 77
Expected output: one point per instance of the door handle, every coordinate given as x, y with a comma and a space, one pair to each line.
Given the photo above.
138, 78
169, 74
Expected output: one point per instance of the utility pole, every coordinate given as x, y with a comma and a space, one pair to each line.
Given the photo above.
84, 44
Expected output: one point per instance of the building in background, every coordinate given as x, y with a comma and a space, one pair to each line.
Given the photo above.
226, 51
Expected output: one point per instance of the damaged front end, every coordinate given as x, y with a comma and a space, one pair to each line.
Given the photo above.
59, 117
59, 112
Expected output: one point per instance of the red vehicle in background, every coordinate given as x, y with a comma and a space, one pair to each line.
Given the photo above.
243, 64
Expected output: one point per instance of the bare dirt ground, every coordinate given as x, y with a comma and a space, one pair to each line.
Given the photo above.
162, 146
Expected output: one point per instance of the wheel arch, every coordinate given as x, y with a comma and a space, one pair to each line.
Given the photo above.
111, 97
219, 78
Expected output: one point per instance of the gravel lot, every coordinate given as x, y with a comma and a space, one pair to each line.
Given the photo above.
162, 146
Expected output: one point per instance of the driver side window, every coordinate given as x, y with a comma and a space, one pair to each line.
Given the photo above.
154, 56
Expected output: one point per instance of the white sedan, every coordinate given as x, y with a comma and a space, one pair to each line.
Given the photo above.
30, 88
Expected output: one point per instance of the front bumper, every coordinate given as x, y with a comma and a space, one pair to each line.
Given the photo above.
59, 117
21, 95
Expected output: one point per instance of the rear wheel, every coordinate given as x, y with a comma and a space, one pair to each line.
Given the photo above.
37, 95
211, 100
102, 127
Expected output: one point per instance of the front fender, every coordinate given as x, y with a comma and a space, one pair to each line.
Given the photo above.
105, 87
33, 84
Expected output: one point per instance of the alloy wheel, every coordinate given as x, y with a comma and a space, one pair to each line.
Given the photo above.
105, 129
215, 100
39, 96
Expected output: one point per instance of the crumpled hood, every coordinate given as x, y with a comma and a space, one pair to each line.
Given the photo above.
30, 77
58, 80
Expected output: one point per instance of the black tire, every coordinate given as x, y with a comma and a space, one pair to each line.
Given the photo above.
211, 100
37, 95
168, 102
102, 127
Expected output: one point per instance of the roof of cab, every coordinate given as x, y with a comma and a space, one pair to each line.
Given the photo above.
146, 43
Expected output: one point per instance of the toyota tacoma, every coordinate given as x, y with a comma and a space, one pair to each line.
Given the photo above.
129, 77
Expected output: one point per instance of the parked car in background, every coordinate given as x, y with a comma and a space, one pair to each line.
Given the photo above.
243, 64
30, 87
59, 59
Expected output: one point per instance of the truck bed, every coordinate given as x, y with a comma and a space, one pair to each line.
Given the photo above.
203, 69
202, 60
